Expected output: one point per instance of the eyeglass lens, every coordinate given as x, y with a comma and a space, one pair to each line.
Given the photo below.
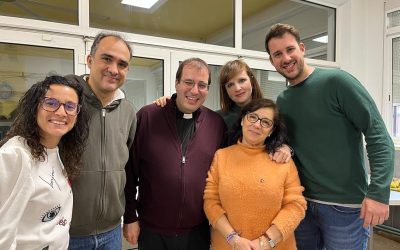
265, 122
200, 85
52, 105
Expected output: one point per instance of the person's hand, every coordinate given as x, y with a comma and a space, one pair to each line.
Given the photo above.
239, 243
257, 244
282, 155
162, 101
131, 232
373, 212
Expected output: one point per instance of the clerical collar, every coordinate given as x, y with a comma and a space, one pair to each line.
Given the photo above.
182, 115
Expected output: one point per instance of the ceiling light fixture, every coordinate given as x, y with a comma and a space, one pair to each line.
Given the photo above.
321, 39
146, 4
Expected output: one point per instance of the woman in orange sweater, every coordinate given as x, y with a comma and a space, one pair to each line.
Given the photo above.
251, 201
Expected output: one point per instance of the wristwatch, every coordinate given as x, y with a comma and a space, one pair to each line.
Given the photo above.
271, 243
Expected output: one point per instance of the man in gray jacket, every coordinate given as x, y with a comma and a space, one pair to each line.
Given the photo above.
99, 200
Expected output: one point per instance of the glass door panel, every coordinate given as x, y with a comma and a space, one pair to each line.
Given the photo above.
23, 65
144, 82
27, 57
60, 11
396, 86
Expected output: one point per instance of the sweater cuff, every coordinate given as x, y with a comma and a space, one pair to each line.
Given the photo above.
130, 219
130, 215
381, 192
281, 229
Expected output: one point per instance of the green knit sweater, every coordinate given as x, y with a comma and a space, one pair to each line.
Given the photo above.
327, 115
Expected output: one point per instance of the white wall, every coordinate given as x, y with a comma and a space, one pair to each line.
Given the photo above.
360, 39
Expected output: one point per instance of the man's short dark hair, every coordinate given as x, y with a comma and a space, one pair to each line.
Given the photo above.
103, 35
196, 61
278, 30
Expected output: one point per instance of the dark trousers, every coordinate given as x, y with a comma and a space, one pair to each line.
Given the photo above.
197, 238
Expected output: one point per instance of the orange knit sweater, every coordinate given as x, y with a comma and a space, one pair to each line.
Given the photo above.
253, 192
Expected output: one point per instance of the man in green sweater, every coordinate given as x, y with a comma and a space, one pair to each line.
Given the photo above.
327, 112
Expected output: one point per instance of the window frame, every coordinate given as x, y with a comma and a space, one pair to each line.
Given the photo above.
79, 37
387, 107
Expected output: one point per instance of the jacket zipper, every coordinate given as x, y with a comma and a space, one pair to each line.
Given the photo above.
103, 161
183, 189
183, 161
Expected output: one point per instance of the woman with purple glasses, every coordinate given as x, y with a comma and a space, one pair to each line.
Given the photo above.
39, 156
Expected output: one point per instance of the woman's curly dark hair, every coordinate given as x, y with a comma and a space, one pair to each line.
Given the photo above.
279, 133
72, 144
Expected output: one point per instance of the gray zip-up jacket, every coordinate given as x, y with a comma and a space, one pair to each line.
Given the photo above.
99, 200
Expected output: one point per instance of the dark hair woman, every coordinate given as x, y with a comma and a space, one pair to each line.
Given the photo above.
39, 156
251, 201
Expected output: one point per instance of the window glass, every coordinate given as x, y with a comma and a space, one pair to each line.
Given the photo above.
315, 23
393, 19
396, 85
206, 21
20, 67
61, 11
271, 83
144, 82
213, 100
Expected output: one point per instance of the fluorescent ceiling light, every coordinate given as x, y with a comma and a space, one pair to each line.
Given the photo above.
146, 4
321, 39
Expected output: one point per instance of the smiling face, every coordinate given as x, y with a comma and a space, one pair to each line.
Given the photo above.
190, 98
287, 56
253, 133
108, 66
53, 125
239, 88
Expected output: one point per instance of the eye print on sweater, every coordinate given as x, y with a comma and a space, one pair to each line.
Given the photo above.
51, 214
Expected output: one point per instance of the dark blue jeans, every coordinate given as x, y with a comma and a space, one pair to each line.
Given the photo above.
110, 240
331, 227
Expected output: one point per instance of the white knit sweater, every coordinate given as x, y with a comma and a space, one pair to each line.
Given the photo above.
35, 199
